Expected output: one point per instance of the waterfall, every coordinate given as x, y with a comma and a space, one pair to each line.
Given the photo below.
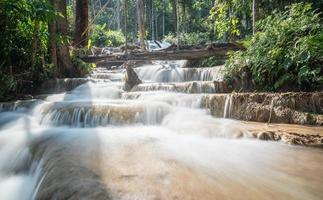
174, 72
87, 138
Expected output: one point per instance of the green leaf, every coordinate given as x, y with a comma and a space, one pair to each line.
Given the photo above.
282, 81
287, 63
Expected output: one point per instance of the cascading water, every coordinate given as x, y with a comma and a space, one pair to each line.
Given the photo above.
174, 72
99, 142
227, 106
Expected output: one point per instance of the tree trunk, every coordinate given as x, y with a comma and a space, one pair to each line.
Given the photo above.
118, 15
163, 19
52, 42
125, 25
184, 19
63, 55
177, 24
254, 17
81, 23
156, 25
141, 25
174, 5
34, 44
152, 21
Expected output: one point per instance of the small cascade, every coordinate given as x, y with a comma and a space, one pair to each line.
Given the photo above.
227, 106
174, 72
183, 87
88, 138
117, 75
94, 114
171, 98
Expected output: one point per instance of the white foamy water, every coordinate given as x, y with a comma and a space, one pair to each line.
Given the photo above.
99, 142
175, 72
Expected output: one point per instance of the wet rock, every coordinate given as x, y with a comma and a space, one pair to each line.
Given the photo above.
194, 88
300, 139
132, 78
215, 103
315, 140
293, 108
266, 135
221, 87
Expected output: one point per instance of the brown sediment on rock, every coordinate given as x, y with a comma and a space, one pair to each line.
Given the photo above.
291, 108
290, 138
286, 133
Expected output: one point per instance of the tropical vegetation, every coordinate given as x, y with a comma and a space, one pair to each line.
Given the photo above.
285, 53
42, 39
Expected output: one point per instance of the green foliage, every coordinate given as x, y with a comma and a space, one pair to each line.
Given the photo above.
189, 38
102, 37
286, 52
211, 62
224, 21
83, 67
70, 19
17, 22
8, 84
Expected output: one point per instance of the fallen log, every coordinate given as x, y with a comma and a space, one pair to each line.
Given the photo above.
219, 50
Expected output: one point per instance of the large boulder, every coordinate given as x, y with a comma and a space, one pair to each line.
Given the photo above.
132, 78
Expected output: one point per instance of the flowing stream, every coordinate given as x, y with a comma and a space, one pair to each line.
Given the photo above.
99, 142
